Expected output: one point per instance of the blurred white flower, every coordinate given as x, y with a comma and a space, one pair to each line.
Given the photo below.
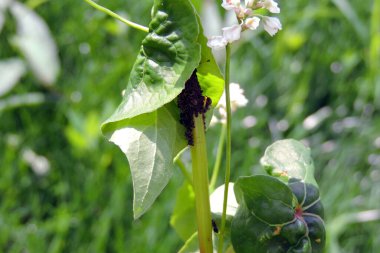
247, 19
39, 164
272, 25
217, 42
252, 23
249, 3
237, 100
232, 33
230, 4
271, 6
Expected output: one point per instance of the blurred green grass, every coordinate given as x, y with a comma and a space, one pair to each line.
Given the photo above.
317, 80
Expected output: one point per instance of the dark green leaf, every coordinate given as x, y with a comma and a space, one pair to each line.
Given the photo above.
317, 233
249, 234
168, 56
266, 197
146, 124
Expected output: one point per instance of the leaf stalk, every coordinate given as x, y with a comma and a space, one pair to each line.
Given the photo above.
114, 15
228, 147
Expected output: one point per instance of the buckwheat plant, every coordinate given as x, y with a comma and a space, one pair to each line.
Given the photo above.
174, 87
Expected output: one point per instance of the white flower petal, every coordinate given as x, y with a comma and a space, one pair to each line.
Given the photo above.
230, 4
217, 42
249, 3
271, 6
272, 25
232, 33
252, 23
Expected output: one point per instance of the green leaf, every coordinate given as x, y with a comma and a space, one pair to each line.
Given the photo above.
183, 219
249, 234
151, 142
168, 56
208, 73
269, 199
289, 159
146, 124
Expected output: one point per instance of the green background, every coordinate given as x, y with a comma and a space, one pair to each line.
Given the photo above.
325, 60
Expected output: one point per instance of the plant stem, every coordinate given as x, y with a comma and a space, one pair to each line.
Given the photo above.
200, 182
219, 154
228, 146
113, 14
184, 171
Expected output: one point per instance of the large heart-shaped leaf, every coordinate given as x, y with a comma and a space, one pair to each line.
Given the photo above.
150, 142
146, 124
269, 199
289, 159
168, 56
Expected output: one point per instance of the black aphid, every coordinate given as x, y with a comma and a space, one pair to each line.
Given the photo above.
214, 226
191, 103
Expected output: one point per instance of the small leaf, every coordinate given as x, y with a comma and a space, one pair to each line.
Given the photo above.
208, 73
183, 219
168, 56
267, 198
289, 159
36, 43
11, 70
151, 142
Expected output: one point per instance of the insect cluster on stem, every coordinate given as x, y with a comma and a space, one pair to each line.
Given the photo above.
191, 103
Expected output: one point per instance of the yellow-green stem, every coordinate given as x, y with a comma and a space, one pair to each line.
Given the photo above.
228, 147
200, 182
114, 15
218, 160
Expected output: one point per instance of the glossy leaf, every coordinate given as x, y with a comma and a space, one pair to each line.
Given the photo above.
151, 142
269, 199
168, 56
317, 232
36, 43
289, 159
250, 234
183, 219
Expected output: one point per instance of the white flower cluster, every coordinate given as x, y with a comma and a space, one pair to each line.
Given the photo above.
247, 20
237, 99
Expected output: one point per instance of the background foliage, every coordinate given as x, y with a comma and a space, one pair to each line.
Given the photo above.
314, 81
